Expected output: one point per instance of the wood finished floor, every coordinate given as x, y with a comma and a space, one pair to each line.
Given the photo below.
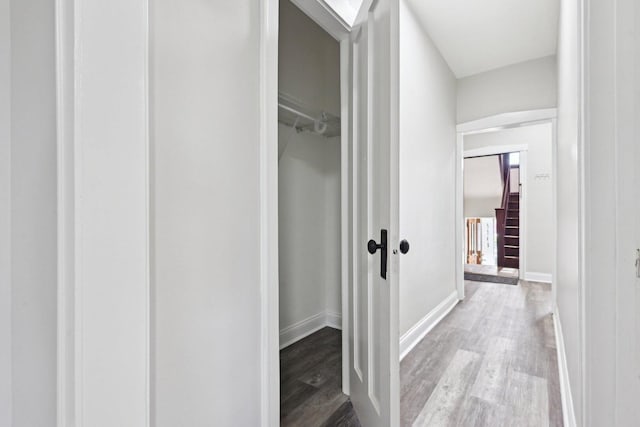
311, 383
491, 270
490, 362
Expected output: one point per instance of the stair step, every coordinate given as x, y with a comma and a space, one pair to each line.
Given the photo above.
511, 257
511, 262
513, 222
512, 251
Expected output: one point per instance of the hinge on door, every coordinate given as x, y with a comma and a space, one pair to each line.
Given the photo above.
638, 263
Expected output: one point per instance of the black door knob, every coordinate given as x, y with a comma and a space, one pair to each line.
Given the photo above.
404, 246
372, 246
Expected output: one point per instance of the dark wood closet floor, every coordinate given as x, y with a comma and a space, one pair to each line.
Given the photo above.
311, 383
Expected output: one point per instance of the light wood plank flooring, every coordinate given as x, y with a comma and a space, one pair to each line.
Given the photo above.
311, 383
490, 362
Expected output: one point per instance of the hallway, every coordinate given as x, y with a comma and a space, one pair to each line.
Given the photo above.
490, 362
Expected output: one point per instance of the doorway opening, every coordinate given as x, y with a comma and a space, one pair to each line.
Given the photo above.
525, 143
491, 206
309, 224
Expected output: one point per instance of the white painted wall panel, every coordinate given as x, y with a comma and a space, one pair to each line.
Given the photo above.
611, 237
205, 122
111, 212
529, 85
33, 212
5, 214
427, 173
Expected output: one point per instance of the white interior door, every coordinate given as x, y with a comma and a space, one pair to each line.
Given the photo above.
374, 332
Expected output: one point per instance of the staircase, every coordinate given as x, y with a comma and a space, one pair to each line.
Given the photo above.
508, 220
512, 232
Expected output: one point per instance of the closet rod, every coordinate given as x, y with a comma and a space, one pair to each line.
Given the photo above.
299, 113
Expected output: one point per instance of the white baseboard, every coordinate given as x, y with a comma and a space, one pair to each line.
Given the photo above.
414, 335
306, 327
537, 277
333, 319
568, 413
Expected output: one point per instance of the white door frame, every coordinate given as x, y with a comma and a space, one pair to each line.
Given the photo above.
504, 149
491, 124
332, 22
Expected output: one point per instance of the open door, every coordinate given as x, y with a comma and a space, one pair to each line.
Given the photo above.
374, 334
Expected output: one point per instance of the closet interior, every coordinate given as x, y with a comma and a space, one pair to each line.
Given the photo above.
309, 222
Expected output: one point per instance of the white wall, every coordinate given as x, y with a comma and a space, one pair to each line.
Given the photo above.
568, 292
525, 86
33, 212
309, 174
539, 222
482, 186
308, 62
332, 216
5, 214
427, 173
205, 105
309, 219
611, 227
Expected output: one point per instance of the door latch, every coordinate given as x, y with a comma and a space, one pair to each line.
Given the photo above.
638, 263
372, 247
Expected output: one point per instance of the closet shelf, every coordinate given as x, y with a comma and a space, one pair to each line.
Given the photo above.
293, 113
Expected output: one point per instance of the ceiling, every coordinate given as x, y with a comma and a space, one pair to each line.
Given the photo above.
476, 36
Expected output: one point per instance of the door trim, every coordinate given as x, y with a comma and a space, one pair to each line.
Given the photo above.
504, 149
507, 120
269, 280
90, 240
332, 22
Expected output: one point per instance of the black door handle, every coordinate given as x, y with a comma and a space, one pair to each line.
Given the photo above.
372, 247
404, 246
